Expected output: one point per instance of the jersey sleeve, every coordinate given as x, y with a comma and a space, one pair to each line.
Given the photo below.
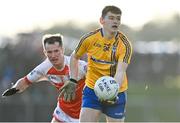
37, 73
82, 46
125, 50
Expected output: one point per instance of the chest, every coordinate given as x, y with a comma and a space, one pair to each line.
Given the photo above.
58, 76
102, 49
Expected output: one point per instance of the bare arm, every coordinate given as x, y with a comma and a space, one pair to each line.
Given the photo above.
21, 85
68, 89
74, 66
120, 72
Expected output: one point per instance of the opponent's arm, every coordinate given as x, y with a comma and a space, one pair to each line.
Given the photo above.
21, 85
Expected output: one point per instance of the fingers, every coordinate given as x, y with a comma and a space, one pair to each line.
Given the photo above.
68, 91
64, 86
61, 93
10, 92
110, 102
62, 90
73, 96
68, 97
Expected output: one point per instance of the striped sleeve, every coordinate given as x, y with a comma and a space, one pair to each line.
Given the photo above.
126, 50
84, 43
81, 47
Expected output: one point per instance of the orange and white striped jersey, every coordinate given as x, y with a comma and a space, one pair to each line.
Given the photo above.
103, 55
57, 78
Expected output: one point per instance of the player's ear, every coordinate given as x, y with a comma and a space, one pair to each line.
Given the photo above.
101, 20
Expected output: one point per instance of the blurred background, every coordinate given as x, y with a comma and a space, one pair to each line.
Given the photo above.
153, 27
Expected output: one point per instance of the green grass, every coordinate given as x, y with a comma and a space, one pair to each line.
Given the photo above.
157, 103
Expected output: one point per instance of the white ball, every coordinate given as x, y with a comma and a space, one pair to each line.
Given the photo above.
106, 88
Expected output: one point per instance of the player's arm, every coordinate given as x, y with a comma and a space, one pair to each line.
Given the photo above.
68, 89
119, 77
124, 59
21, 85
120, 72
74, 66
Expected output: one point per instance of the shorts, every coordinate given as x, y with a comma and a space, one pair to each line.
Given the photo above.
61, 116
117, 110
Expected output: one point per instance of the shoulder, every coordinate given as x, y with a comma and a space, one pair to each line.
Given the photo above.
122, 36
90, 34
44, 66
124, 40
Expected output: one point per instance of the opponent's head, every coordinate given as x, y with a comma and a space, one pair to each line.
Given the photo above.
53, 48
111, 18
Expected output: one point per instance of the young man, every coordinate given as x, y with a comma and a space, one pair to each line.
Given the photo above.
56, 69
109, 53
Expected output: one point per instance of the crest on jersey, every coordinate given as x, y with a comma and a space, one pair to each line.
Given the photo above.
57, 78
106, 47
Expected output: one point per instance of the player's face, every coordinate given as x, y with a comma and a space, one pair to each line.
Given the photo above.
111, 22
55, 54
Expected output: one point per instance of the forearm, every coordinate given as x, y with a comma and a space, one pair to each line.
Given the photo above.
21, 85
120, 72
74, 66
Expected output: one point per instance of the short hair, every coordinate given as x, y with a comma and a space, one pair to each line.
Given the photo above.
112, 9
51, 39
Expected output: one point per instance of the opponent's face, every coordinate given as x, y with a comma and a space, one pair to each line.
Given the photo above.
55, 54
111, 22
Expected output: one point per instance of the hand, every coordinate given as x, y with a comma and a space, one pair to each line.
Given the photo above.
110, 102
10, 92
68, 91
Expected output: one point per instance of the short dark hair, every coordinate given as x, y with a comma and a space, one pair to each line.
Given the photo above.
51, 39
112, 9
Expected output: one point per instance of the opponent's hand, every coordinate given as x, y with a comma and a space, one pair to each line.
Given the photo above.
10, 92
68, 91
110, 102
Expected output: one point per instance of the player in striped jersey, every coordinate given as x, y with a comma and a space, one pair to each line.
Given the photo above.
109, 53
55, 68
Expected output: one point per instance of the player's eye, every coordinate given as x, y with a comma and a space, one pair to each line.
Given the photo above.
111, 17
56, 51
49, 52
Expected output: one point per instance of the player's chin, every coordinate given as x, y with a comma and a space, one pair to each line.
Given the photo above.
54, 61
114, 30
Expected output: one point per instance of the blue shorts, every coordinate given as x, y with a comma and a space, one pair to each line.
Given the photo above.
90, 100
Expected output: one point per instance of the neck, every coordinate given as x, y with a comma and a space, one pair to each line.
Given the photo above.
108, 34
59, 66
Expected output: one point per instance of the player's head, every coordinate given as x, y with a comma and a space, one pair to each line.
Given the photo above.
111, 18
112, 9
53, 48
51, 39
